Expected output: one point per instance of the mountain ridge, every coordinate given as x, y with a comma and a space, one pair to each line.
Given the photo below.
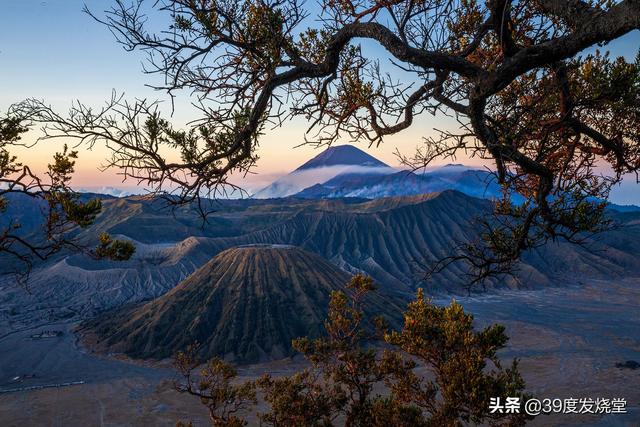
387, 239
475, 183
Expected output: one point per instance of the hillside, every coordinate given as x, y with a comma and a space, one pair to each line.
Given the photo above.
246, 304
388, 238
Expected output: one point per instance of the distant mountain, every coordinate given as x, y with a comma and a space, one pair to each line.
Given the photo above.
112, 191
246, 305
346, 171
624, 208
333, 161
472, 182
338, 155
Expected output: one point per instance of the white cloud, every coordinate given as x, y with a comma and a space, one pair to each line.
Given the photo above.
297, 181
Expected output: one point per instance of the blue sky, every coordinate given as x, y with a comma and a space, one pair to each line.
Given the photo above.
51, 50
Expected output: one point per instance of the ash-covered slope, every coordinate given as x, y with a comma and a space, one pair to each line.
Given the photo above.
246, 304
391, 238
78, 287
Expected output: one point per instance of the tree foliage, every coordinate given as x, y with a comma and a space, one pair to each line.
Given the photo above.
62, 210
464, 363
513, 73
358, 359
214, 387
342, 357
299, 399
117, 250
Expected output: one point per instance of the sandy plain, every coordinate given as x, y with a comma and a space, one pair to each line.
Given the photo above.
568, 338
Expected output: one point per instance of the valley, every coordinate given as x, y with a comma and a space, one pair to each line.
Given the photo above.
89, 342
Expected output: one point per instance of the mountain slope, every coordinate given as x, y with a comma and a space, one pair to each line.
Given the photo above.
390, 239
246, 304
342, 155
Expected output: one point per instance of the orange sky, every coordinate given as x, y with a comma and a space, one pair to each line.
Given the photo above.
63, 55
279, 153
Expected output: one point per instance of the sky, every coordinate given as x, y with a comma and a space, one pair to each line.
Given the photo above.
51, 50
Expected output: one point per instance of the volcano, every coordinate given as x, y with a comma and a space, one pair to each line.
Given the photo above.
332, 162
343, 155
245, 305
